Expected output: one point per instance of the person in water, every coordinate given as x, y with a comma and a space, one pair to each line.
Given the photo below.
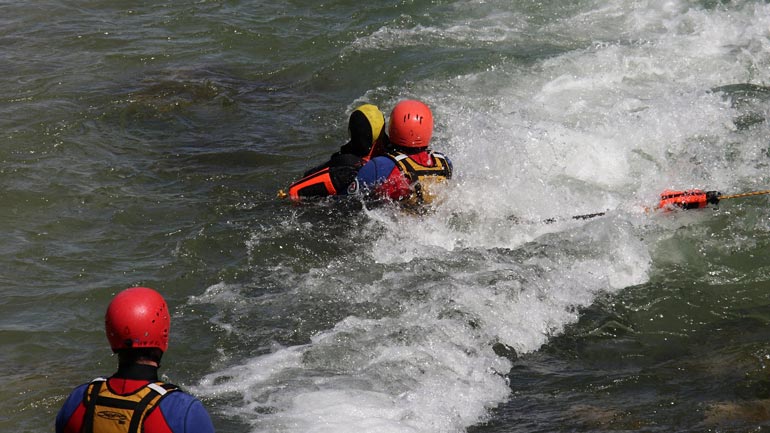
133, 399
367, 139
409, 170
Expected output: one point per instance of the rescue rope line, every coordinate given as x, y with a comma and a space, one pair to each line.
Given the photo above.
745, 194
688, 199
587, 216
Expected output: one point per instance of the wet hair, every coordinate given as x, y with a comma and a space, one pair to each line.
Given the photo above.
133, 356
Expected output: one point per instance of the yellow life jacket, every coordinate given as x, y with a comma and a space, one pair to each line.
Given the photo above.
422, 179
107, 412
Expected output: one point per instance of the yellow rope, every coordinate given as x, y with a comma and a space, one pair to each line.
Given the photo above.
745, 194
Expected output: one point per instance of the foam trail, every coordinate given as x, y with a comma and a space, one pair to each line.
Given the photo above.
606, 122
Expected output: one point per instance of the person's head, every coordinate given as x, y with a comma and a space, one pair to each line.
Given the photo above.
137, 325
366, 126
411, 125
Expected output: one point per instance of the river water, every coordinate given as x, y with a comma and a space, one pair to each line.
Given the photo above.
143, 143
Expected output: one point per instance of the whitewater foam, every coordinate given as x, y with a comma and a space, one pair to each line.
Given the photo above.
603, 126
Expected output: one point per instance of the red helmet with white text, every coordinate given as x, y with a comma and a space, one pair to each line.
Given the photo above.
411, 124
137, 318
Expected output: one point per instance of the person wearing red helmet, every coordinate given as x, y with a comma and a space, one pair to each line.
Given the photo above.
409, 170
367, 139
133, 400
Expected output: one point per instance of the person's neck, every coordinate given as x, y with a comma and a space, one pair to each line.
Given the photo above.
138, 370
410, 150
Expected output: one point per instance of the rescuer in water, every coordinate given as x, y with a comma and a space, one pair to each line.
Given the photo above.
367, 139
409, 170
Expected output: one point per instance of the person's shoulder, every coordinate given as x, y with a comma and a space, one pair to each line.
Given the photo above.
78, 391
183, 411
176, 394
375, 171
383, 159
439, 154
179, 401
442, 156
81, 389
71, 404
377, 167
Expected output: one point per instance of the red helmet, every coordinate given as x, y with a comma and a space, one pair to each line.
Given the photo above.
411, 124
137, 317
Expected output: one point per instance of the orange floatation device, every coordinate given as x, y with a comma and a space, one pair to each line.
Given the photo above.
688, 199
318, 183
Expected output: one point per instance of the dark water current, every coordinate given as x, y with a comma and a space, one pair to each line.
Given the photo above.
143, 144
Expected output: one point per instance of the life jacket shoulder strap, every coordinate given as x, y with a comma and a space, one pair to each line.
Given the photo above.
441, 159
120, 413
413, 170
162, 388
